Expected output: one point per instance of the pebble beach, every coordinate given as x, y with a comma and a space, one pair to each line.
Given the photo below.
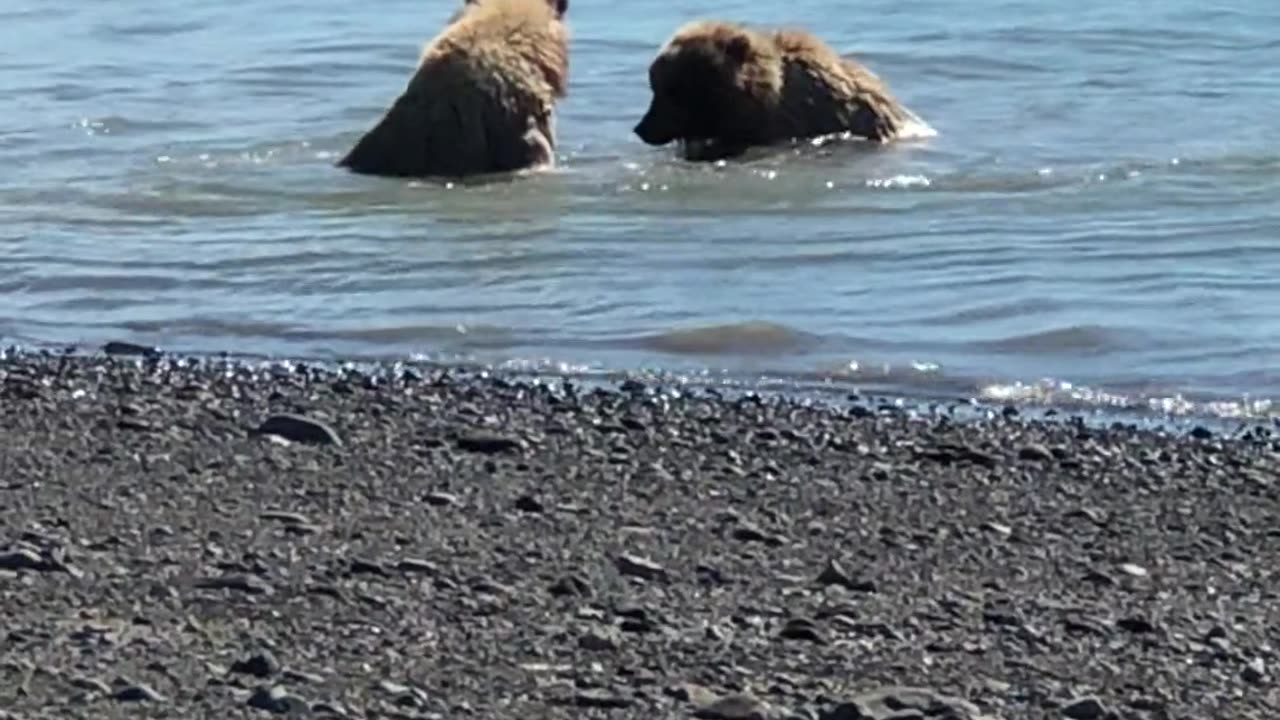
186, 537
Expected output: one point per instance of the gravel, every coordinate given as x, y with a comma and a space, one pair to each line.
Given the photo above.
202, 538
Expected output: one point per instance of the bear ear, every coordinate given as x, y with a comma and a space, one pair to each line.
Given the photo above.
561, 6
738, 48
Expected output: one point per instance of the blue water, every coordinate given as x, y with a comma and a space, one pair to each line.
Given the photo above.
1097, 221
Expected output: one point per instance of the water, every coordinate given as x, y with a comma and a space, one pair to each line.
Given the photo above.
1095, 224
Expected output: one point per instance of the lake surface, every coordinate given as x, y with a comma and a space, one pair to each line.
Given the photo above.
1097, 221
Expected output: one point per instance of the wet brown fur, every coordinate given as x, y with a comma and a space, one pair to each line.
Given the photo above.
727, 87
482, 99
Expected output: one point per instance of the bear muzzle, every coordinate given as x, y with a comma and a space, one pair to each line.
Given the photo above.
653, 131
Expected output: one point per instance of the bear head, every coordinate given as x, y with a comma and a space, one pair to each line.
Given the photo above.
716, 89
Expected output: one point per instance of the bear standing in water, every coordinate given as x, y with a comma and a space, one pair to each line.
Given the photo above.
482, 99
720, 88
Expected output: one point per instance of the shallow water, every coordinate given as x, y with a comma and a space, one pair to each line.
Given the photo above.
1095, 224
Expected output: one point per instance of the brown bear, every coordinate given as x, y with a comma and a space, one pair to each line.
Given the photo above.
482, 99
720, 88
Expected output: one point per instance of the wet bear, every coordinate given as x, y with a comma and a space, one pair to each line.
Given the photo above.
482, 99
720, 88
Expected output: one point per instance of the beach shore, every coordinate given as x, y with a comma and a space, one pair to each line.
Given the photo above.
199, 538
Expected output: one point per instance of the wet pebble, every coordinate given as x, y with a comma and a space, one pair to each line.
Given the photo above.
299, 429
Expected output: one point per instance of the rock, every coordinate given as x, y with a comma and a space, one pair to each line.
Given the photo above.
280, 516
570, 586
299, 429
998, 528
24, 559
417, 566
750, 533
1135, 624
739, 706
1035, 453
529, 504
363, 566
834, 574
600, 640
904, 703
1085, 708
119, 348
440, 499
260, 664
642, 568
248, 584
138, 693
802, 629
1254, 672
693, 693
89, 684
277, 700
601, 699
488, 444
1133, 570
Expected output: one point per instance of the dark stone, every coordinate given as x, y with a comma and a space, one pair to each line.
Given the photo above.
802, 629
138, 693
529, 504
487, 444
299, 429
119, 348
260, 664
1085, 708
248, 584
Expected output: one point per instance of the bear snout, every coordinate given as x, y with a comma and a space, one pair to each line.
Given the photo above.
652, 130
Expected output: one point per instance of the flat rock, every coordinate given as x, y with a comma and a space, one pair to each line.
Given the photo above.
487, 443
1085, 708
299, 429
636, 566
904, 703
739, 706
138, 693
277, 700
260, 664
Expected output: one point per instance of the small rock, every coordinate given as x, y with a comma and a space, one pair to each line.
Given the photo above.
739, 706
802, 629
1255, 671
1085, 708
570, 585
138, 693
440, 499
834, 574
361, 566
116, 347
601, 699
300, 429
997, 528
248, 584
636, 566
91, 684
750, 533
1136, 625
529, 504
904, 703
280, 516
488, 444
600, 640
261, 664
1133, 570
417, 566
24, 559
693, 693
277, 700
1035, 453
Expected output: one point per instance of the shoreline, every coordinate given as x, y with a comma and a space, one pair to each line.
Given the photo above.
833, 392
434, 544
